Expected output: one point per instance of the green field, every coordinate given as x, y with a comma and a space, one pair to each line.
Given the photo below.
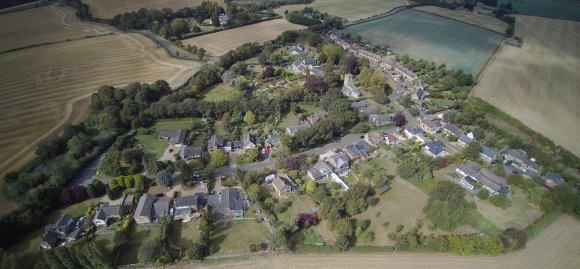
559, 9
353, 10
221, 92
432, 38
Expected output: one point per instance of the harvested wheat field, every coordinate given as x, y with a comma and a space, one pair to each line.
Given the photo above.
219, 43
557, 247
107, 9
48, 86
50, 24
481, 20
350, 9
538, 83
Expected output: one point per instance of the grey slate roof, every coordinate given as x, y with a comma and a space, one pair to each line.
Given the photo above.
522, 156
160, 207
215, 141
292, 130
465, 139
229, 196
556, 177
144, 206
435, 147
320, 169
490, 153
189, 151
452, 128
283, 182
485, 177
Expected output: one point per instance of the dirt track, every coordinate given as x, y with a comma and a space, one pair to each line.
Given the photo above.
538, 83
557, 247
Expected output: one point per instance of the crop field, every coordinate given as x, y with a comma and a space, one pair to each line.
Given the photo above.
107, 9
481, 20
559, 9
219, 43
432, 38
352, 10
50, 24
557, 247
538, 82
38, 99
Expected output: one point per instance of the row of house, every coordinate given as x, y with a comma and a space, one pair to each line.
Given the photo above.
373, 58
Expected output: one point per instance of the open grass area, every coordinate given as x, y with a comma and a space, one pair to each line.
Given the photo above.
402, 204
140, 236
559, 9
237, 236
184, 234
432, 38
519, 215
221, 92
291, 119
300, 204
352, 10
157, 146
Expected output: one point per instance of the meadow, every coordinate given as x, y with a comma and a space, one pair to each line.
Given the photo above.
432, 38
352, 10
538, 82
217, 44
39, 99
559, 9
106, 9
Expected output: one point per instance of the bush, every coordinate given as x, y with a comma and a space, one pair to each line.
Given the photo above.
399, 228
342, 243
483, 194
500, 200
163, 178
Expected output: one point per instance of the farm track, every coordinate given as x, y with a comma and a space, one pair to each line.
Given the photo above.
48, 86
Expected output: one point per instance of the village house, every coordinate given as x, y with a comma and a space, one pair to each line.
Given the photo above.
273, 140
300, 67
359, 150
488, 155
391, 139
292, 130
229, 203
371, 110
435, 149
188, 207
415, 134
176, 138
250, 141
429, 124
189, 152
464, 140
60, 231
381, 120
283, 185
401, 70
553, 179
374, 138
473, 176
320, 170
451, 129
296, 50
519, 159
215, 142
314, 118
339, 162
348, 87
107, 212
150, 208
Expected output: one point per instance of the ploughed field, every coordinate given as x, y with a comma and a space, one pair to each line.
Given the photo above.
350, 9
538, 83
48, 86
107, 9
432, 38
560, 9
217, 44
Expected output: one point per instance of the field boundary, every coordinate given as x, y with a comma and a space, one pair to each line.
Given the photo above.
496, 51
192, 35
502, 34
22, 7
380, 16
56, 42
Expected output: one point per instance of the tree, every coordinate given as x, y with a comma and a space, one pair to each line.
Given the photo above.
185, 170
179, 26
447, 207
332, 53
7, 260
381, 97
269, 71
405, 101
256, 192
315, 83
471, 152
399, 120
483, 194
218, 159
250, 117
414, 111
342, 227
149, 251
73, 195
201, 53
310, 186
163, 178
500, 200
195, 253
342, 243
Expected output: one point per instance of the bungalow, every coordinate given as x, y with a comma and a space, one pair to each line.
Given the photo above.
229, 203
142, 213
416, 134
283, 185
348, 87
339, 162
314, 118
451, 129
49, 240
381, 120
473, 174
215, 142
317, 71
553, 179
292, 130
520, 161
488, 155
435, 149
273, 140
187, 207
189, 152
374, 138
464, 140
320, 170
161, 207
300, 66
105, 214
359, 150
176, 138
296, 50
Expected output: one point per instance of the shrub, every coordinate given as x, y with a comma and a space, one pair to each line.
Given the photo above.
483, 194
399, 228
342, 243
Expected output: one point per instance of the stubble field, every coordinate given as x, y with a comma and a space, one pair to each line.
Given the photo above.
538, 83
481, 20
219, 43
48, 86
352, 10
557, 247
107, 9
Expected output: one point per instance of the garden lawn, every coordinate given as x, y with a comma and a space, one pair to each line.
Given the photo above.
184, 234
403, 204
237, 236
140, 236
221, 92
300, 204
157, 146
